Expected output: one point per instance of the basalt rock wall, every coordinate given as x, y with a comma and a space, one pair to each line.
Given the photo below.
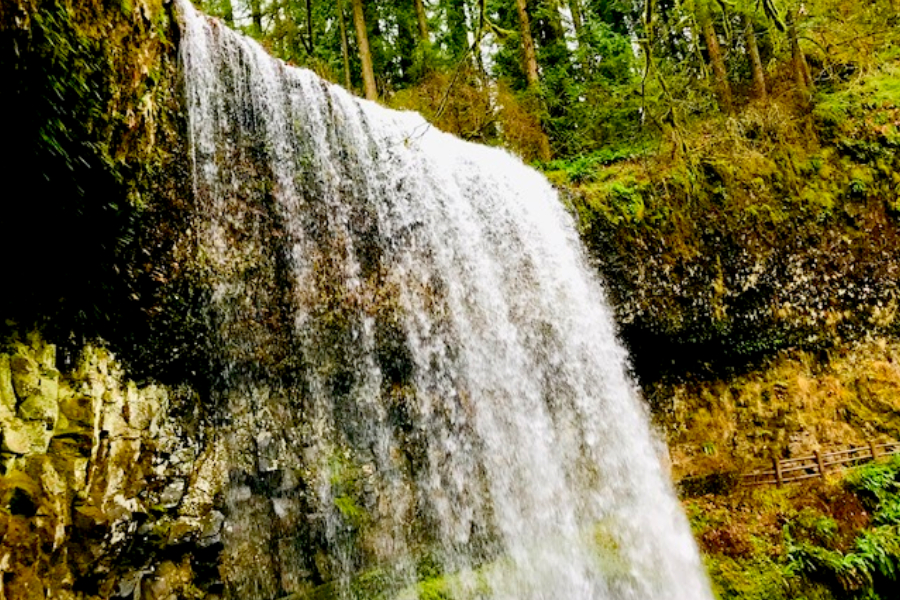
106, 486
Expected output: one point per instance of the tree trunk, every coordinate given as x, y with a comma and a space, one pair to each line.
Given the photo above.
549, 34
759, 76
715, 56
345, 47
798, 59
531, 69
557, 31
422, 20
309, 28
365, 55
457, 29
528, 54
282, 38
256, 17
578, 24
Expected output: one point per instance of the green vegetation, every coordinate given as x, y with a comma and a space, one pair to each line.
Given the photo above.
793, 404
723, 244
835, 540
566, 78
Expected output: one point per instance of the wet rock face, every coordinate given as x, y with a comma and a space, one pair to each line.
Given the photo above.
746, 291
29, 392
724, 258
101, 494
94, 93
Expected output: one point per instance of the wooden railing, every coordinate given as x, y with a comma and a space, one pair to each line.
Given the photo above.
789, 470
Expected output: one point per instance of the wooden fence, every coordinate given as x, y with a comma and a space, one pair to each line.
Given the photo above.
789, 470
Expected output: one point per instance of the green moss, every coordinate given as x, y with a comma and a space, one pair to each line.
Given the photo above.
758, 579
695, 242
352, 513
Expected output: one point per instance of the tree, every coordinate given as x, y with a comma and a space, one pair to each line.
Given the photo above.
578, 26
219, 8
256, 18
309, 26
802, 78
345, 49
422, 21
716, 59
228, 12
454, 37
365, 54
529, 57
756, 66
577, 19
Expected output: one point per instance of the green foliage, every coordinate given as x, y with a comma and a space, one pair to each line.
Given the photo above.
584, 168
592, 97
862, 120
815, 553
351, 512
469, 585
759, 579
868, 571
611, 72
765, 185
878, 484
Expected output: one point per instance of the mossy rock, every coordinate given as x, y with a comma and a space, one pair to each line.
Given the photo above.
26, 375
8, 399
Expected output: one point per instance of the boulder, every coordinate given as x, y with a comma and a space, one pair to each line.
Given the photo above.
79, 409
140, 406
14, 437
26, 375
7, 392
40, 408
172, 494
49, 384
24, 584
39, 435
45, 354
166, 582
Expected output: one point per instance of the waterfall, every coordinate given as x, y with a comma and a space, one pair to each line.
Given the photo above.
419, 381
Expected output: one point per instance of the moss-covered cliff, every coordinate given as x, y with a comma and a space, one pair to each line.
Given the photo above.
772, 228
96, 144
104, 484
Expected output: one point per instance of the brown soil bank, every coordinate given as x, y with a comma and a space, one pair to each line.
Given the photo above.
797, 403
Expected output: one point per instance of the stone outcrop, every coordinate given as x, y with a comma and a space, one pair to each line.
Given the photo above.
101, 493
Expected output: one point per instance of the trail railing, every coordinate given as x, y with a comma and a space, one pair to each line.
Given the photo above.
790, 470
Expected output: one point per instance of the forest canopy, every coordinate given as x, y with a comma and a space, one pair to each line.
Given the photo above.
560, 78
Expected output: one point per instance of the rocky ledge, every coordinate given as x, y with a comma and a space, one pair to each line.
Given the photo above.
102, 494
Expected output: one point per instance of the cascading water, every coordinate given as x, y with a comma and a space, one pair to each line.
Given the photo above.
421, 390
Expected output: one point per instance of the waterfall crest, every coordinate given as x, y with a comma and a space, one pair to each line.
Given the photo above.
422, 391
